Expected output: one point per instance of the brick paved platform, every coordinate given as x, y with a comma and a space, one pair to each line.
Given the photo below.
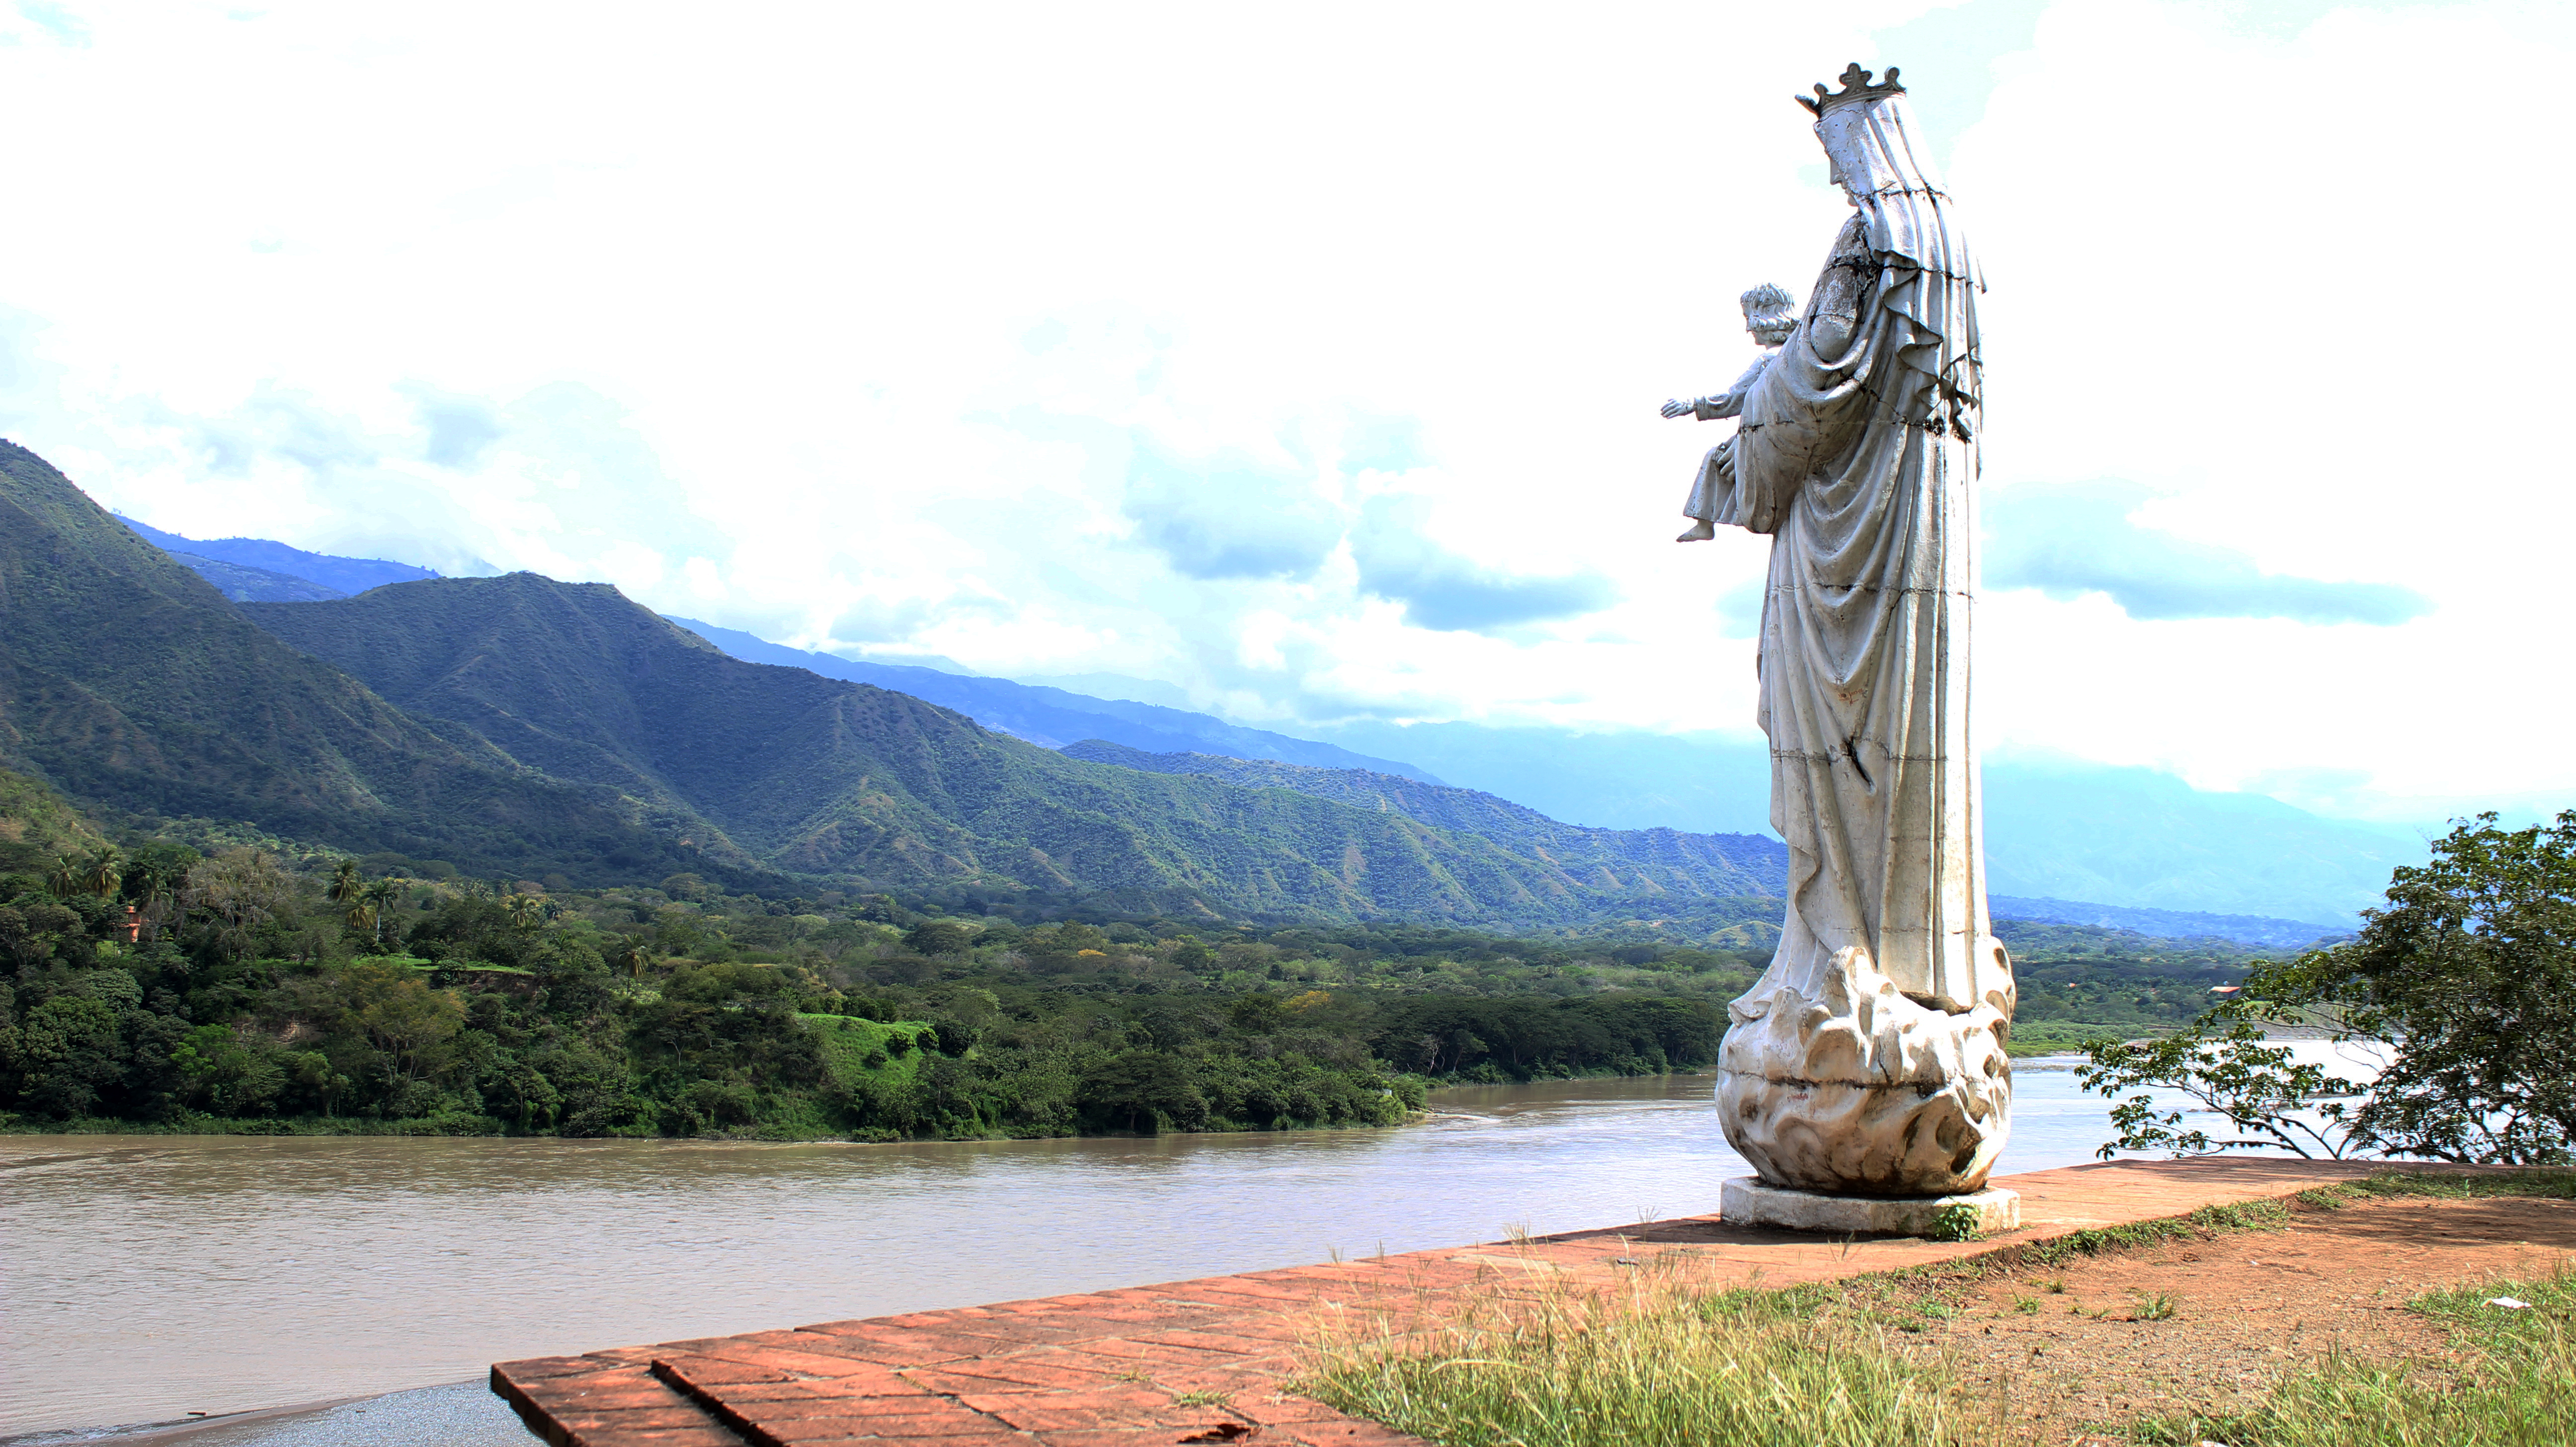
1205, 1361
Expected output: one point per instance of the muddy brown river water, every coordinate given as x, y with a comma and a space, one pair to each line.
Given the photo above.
146, 1277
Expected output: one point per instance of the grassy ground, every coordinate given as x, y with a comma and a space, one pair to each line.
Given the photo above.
2518, 1387
849, 1047
1653, 1365
1884, 1360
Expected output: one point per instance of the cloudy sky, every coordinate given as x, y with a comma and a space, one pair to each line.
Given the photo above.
1307, 358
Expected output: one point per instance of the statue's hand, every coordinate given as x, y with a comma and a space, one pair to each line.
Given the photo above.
1675, 407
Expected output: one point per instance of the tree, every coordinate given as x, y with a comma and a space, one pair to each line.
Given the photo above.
2466, 981
636, 956
1143, 1091
378, 902
243, 889
66, 1055
348, 890
939, 937
105, 874
2225, 1063
153, 876
63, 880
2468, 973
226, 1076
527, 912
406, 1019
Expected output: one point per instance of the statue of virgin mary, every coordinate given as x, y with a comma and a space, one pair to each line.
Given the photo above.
1869, 1059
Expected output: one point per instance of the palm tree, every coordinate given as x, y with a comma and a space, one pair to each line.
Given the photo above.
348, 889
106, 872
379, 899
635, 956
526, 911
64, 880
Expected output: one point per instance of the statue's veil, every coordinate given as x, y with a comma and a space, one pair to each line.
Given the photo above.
1928, 274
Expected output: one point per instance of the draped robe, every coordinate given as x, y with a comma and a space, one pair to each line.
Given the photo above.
1857, 453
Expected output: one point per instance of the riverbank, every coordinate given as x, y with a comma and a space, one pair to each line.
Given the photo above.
156, 1275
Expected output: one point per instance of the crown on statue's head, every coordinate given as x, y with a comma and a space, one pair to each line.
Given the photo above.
1857, 87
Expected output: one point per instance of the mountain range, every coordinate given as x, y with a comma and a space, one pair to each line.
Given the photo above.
2127, 837
521, 724
261, 571
1761, 863
2122, 848
129, 683
1054, 717
781, 768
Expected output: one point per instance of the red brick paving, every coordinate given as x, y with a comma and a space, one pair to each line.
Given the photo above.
1107, 1369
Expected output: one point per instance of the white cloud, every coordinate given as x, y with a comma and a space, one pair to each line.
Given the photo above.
1058, 341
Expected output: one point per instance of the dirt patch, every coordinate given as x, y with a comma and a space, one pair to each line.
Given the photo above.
2210, 1324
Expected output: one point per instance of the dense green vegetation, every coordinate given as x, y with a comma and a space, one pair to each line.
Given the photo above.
2079, 983
261, 992
159, 985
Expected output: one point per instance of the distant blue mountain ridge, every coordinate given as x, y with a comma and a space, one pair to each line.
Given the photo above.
1052, 717
2055, 829
255, 585
1749, 864
2126, 839
2287, 934
343, 576
2066, 842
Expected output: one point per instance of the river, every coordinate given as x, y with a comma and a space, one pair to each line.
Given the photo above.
148, 1277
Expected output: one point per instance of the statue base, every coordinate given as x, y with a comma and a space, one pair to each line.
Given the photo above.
1746, 1201
1831, 1081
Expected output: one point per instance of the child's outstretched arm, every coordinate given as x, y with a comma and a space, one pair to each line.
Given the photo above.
1706, 409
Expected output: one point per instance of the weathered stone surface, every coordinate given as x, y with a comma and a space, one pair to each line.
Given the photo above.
1868, 1058
1857, 1090
1746, 1201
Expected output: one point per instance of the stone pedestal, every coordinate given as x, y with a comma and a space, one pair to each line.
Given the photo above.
1745, 1201
1831, 1080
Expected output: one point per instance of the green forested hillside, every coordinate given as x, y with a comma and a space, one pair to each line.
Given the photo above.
154, 986
1686, 865
128, 682
850, 783
37, 829
263, 992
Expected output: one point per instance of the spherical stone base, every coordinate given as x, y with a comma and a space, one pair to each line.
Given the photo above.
1745, 1201
1845, 1087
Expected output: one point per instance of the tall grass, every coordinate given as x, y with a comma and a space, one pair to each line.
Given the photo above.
1650, 1364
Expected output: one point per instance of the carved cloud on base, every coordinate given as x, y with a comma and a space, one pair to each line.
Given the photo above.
1859, 1091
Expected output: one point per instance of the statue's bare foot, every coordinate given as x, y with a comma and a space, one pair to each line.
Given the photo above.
1700, 532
